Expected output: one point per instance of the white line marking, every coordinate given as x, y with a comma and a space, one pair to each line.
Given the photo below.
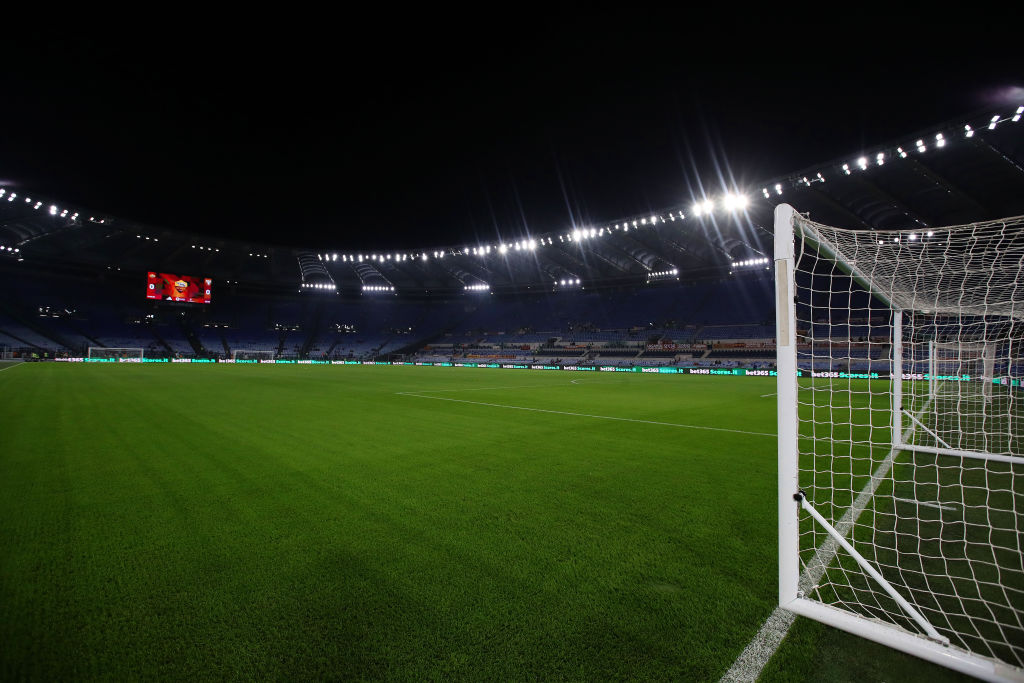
750, 663
926, 504
519, 386
13, 365
767, 395
596, 417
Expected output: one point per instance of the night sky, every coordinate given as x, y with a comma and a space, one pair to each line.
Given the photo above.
433, 130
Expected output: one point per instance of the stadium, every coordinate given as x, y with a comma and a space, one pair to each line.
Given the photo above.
597, 452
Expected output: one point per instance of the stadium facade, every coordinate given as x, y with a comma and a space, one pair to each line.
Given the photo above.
687, 286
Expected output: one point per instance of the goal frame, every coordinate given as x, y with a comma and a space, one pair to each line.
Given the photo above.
142, 351
270, 355
791, 500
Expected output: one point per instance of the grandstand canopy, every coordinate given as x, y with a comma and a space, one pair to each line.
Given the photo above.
329, 166
966, 170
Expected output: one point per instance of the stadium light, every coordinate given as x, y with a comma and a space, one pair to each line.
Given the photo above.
993, 122
734, 202
940, 141
968, 131
846, 169
903, 155
921, 146
863, 163
1016, 116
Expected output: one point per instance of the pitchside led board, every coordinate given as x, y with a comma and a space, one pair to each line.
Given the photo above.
171, 287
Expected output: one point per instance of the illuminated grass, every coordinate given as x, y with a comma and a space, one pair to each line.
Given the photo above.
313, 522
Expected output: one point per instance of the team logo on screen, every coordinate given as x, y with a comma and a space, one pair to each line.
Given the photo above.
172, 287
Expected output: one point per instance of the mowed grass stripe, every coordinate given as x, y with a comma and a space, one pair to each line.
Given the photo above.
298, 522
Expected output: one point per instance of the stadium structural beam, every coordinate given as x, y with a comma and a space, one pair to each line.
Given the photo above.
947, 185
895, 202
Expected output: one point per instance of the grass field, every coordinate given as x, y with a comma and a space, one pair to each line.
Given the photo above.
408, 523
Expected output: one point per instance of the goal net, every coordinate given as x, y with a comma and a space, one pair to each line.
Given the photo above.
111, 353
251, 354
901, 445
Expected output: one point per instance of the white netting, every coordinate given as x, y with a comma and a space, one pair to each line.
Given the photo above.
104, 352
252, 354
923, 473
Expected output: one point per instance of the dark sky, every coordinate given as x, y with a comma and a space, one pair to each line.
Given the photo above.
432, 130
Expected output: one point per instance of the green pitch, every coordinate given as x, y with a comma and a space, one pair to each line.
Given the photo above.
310, 522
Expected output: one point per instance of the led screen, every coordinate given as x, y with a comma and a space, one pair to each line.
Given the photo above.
171, 287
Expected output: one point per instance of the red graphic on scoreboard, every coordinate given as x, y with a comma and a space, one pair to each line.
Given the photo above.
171, 287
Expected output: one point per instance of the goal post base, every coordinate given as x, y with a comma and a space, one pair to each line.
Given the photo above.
904, 641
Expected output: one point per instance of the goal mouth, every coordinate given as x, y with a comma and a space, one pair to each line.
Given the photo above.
252, 355
901, 498
111, 353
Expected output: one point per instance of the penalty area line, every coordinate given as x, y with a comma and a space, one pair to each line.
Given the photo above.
595, 417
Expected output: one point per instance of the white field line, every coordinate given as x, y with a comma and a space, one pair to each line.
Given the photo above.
767, 395
13, 365
595, 417
750, 663
940, 506
519, 386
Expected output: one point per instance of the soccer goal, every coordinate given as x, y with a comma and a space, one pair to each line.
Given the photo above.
112, 353
901, 436
252, 354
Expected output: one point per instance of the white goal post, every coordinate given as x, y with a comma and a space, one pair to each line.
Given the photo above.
252, 354
901, 436
98, 352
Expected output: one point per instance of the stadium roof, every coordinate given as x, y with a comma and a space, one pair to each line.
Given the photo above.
962, 171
